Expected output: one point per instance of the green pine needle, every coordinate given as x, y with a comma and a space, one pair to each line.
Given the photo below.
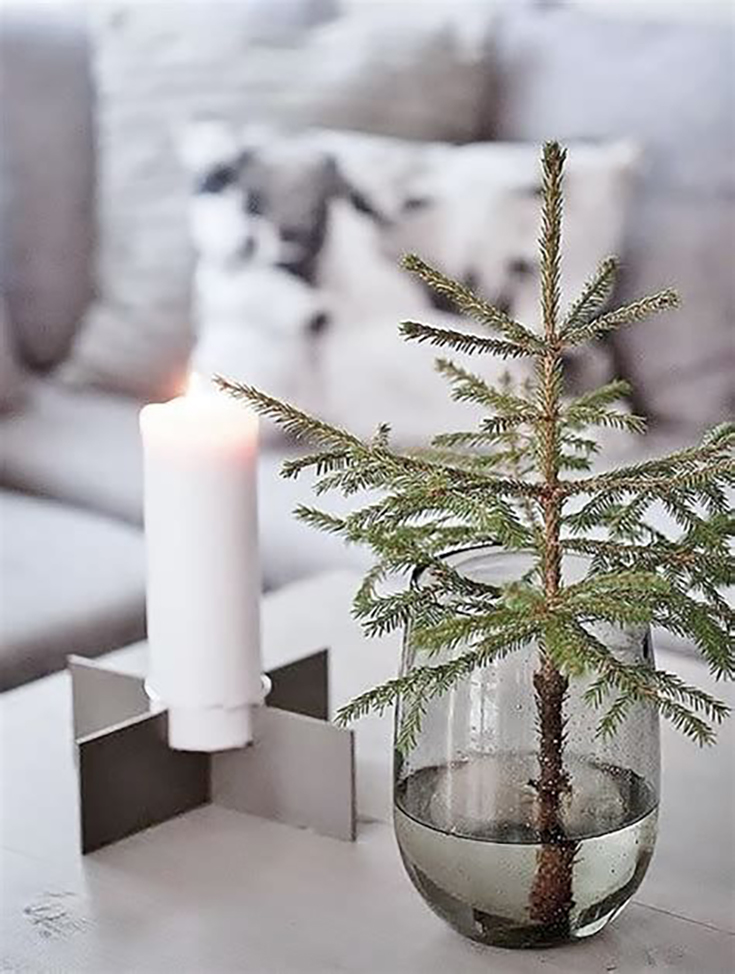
522, 479
594, 297
461, 341
470, 304
627, 315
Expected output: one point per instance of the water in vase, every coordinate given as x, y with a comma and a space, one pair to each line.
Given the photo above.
468, 842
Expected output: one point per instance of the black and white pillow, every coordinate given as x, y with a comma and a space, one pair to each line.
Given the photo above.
319, 219
473, 211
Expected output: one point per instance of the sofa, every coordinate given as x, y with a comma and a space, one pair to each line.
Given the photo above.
70, 463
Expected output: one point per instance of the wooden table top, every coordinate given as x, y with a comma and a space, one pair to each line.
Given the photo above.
216, 891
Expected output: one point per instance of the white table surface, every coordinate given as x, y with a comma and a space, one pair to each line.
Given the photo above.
216, 891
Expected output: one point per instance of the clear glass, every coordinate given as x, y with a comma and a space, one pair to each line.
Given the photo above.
466, 808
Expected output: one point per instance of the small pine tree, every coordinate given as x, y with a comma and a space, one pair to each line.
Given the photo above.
523, 479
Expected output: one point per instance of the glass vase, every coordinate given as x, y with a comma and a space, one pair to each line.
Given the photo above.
469, 812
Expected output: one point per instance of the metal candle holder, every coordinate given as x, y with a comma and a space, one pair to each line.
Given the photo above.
300, 769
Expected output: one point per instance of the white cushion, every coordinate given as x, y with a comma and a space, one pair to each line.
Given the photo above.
78, 446
72, 582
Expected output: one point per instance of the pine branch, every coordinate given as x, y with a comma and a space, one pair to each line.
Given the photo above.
592, 409
383, 614
654, 486
621, 521
424, 683
489, 516
489, 435
469, 461
292, 420
707, 626
700, 529
574, 462
655, 555
627, 315
578, 416
370, 474
468, 387
690, 709
353, 465
381, 437
550, 239
581, 443
470, 304
451, 633
682, 461
602, 397
322, 520
615, 584
437, 536
461, 341
513, 493
595, 295
715, 444
321, 463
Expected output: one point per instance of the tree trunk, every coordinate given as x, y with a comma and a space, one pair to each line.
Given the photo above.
551, 899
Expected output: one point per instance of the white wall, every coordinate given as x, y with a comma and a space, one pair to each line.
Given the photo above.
660, 9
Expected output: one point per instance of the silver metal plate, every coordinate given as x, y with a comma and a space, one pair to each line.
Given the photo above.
102, 698
300, 770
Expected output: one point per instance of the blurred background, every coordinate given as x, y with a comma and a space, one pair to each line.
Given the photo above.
227, 186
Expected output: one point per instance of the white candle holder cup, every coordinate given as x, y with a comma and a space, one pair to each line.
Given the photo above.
208, 729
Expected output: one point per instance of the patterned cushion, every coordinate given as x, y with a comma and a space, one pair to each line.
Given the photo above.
337, 210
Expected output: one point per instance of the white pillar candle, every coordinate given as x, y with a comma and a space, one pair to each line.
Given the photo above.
203, 576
